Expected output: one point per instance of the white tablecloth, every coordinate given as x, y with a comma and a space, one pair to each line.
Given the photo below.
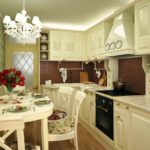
34, 113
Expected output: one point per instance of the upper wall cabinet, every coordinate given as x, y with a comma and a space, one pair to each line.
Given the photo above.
72, 47
142, 27
91, 44
56, 45
96, 38
65, 45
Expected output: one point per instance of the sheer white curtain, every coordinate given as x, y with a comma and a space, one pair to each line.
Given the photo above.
24, 61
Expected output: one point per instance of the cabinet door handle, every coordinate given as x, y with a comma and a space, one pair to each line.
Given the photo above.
118, 116
118, 104
127, 107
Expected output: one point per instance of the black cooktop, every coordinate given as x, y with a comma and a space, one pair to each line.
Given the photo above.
120, 93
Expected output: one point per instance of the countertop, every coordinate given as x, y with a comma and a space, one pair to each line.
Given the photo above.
141, 102
91, 87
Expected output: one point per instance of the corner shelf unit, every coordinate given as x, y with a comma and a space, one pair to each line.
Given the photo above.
44, 46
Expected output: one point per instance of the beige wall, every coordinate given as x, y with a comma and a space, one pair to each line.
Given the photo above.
11, 47
1, 46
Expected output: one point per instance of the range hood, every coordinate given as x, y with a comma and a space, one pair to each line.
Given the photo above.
121, 37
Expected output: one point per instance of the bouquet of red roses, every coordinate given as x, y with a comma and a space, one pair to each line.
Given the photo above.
10, 78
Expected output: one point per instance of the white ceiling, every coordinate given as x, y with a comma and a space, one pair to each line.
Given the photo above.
71, 14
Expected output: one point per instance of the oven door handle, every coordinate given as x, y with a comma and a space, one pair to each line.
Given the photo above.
102, 108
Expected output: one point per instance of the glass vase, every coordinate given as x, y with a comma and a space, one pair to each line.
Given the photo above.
9, 92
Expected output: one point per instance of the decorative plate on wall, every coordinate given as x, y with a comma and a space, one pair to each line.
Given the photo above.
112, 45
118, 44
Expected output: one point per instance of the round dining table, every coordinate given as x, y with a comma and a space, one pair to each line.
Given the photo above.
32, 111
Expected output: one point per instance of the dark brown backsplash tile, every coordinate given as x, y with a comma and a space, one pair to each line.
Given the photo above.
131, 71
49, 71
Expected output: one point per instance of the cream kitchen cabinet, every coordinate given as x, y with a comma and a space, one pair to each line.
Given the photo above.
66, 45
96, 38
92, 44
87, 111
142, 27
121, 126
57, 42
100, 39
140, 130
72, 48
92, 110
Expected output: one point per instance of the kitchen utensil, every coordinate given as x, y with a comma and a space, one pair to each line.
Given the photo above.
102, 79
101, 82
84, 77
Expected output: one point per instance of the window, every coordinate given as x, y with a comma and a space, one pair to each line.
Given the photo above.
24, 61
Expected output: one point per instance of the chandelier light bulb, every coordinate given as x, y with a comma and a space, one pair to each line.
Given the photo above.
35, 20
18, 17
7, 20
13, 24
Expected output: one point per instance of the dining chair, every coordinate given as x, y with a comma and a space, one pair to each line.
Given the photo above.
8, 125
59, 131
63, 102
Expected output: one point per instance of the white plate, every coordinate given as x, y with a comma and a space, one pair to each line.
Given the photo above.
43, 47
44, 37
44, 56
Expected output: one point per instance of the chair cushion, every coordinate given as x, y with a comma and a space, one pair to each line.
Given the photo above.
57, 114
60, 127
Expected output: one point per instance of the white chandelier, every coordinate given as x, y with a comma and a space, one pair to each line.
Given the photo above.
20, 28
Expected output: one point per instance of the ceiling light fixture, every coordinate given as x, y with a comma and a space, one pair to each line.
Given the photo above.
20, 28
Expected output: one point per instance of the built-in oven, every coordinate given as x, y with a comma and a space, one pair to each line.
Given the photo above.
104, 115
